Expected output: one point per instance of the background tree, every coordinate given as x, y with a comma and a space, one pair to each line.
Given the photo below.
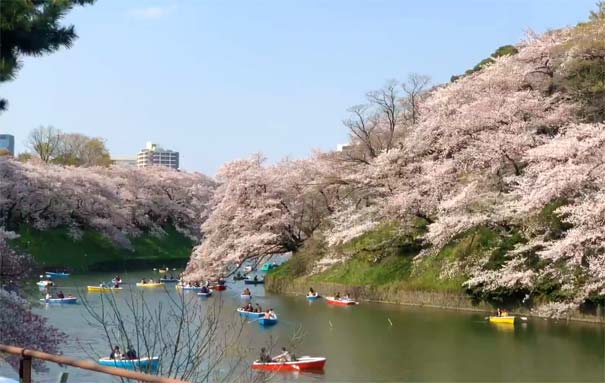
414, 88
32, 28
79, 150
45, 142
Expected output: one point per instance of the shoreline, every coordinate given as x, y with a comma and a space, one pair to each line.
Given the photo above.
417, 298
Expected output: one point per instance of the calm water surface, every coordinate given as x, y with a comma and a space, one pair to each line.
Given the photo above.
362, 346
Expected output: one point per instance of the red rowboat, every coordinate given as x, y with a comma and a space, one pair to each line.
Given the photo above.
304, 363
340, 302
218, 287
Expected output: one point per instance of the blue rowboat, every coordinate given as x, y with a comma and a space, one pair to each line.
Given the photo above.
61, 301
253, 282
56, 275
204, 295
267, 322
144, 364
313, 297
249, 314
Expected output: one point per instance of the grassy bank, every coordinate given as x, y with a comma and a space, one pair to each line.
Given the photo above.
55, 249
383, 263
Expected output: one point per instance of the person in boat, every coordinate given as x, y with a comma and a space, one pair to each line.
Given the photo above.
258, 309
347, 297
246, 292
268, 314
60, 294
272, 314
255, 278
48, 296
131, 353
499, 312
239, 275
311, 292
221, 281
144, 280
115, 353
249, 307
264, 356
205, 290
337, 296
283, 357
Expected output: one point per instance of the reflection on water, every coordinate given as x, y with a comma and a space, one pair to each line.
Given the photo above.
377, 342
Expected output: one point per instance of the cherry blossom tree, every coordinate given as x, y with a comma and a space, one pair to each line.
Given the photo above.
18, 324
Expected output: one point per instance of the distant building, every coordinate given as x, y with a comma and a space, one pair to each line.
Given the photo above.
7, 142
155, 155
124, 162
343, 147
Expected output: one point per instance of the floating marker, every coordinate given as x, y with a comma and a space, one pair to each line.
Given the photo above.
330, 322
391, 323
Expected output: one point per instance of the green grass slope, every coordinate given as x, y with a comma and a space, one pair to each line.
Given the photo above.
54, 249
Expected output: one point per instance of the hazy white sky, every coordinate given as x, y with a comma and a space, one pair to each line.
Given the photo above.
219, 80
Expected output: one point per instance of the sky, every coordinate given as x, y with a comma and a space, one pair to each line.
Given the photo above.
222, 80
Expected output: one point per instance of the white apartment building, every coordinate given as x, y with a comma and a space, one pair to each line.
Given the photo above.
153, 154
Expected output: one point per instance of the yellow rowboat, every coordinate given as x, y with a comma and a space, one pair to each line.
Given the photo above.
139, 284
99, 289
503, 319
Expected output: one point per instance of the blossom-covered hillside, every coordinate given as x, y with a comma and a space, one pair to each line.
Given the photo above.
117, 202
498, 148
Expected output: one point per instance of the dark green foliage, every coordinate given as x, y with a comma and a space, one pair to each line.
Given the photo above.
32, 28
505, 50
581, 66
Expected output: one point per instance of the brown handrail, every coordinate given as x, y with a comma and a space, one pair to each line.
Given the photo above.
87, 365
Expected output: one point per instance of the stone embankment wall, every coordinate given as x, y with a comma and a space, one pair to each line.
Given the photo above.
394, 295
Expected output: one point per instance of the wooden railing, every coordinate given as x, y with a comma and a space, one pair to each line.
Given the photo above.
25, 366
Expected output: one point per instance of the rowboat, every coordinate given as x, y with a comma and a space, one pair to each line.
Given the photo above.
340, 302
50, 274
102, 289
68, 300
267, 322
503, 319
301, 364
169, 280
150, 285
205, 295
145, 363
239, 277
219, 287
246, 296
45, 283
253, 282
313, 297
188, 288
249, 314
268, 266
